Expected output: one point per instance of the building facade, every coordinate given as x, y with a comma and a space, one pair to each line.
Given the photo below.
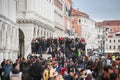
85, 28
68, 18
112, 43
36, 19
59, 18
75, 16
100, 38
111, 35
9, 39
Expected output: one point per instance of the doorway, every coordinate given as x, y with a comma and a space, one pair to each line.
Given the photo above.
21, 43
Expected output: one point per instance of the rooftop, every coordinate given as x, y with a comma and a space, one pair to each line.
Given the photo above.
76, 12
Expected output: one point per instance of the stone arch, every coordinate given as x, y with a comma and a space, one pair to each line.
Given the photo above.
21, 43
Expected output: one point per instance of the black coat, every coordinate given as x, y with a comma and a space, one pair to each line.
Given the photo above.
36, 70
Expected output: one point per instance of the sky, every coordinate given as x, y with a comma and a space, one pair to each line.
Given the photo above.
99, 10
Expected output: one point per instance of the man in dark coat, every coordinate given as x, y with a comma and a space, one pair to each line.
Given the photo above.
36, 70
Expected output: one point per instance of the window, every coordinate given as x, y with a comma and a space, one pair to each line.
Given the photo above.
118, 40
79, 20
119, 47
99, 30
106, 39
114, 41
114, 47
110, 41
117, 34
107, 29
110, 29
110, 47
58, 4
98, 36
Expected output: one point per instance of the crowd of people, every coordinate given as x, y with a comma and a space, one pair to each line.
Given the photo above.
68, 62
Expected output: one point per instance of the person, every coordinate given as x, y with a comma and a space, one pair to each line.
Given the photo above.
107, 74
25, 66
7, 68
36, 70
48, 73
15, 74
57, 76
1, 69
76, 76
70, 76
83, 74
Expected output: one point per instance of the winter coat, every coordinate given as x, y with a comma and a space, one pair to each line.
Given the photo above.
36, 70
7, 69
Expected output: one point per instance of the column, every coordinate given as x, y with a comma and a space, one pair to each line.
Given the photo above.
46, 34
12, 42
0, 34
8, 37
39, 31
36, 29
43, 32
1, 56
1, 53
50, 33
16, 38
10, 55
4, 35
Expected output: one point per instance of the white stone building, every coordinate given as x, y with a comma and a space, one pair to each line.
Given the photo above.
36, 19
100, 38
9, 39
59, 18
109, 38
88, 32
112, 43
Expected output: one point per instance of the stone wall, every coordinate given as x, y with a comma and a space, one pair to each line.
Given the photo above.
8, 39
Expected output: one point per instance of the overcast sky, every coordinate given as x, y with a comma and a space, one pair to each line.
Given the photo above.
99, 10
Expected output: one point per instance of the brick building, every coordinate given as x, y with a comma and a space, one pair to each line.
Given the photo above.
85, 28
